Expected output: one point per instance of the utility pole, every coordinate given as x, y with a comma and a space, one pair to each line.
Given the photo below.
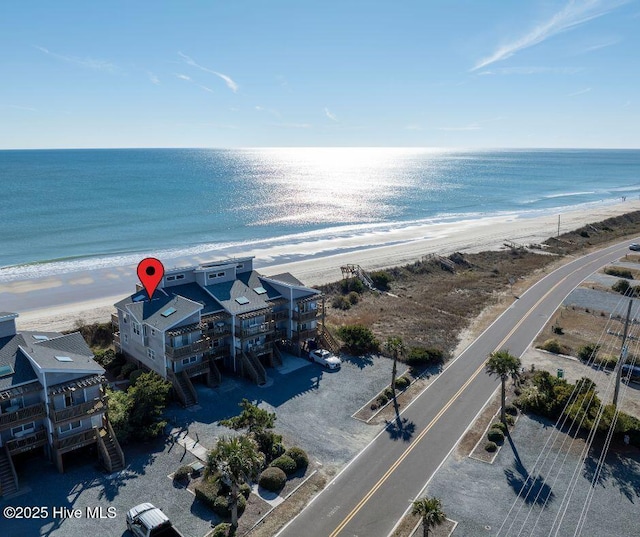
623, 355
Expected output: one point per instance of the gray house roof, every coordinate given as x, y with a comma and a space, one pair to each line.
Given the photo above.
194, 292
286, 278
254, 280
11, 356
69, 352
151, 312
227, 294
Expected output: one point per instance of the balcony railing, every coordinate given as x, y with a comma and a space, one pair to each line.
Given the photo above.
197, 369
116, 339
78, 440
219, 331
305, 315
114, 320
197, 347
249, 331
78, 411
280, 333
280, 315
299, 335
25, 414
260, 349
29, 441
220, 351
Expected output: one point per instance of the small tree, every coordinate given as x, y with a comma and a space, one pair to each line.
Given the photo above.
236, 460
503, 365
395, 347
358, 339
252, 418
430, 511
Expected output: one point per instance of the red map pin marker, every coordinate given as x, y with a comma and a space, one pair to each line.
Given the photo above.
150, 272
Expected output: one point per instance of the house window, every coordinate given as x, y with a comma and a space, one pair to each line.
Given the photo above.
180, 277
125, 318
153, 332
220, 274
68, 399
187, 361
216, 343
136, 329
125, 338
170, 278
23, 429
240, 265
69, 426
151, 354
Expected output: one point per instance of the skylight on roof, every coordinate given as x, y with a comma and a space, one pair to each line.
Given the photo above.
242, 300
39, 337
138, 298
64, 358
168, 311
6, 370
260, 290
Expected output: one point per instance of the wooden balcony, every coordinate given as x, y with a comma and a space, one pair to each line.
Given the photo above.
80, 411
22, 415
114, 320
198, 347
301, 335
220, 351
116, 339
257, 350
280, 333
280, 315
75, 441
197, 369
301, 316
219, 331
250, 331
29, 441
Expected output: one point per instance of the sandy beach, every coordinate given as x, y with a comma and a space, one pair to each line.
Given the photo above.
58, 301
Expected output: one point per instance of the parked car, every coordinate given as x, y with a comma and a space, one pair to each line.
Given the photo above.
145, 520
635, 247
325, 359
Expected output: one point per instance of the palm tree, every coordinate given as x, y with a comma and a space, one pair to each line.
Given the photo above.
430, 510
503, 365
395, 347
237, 460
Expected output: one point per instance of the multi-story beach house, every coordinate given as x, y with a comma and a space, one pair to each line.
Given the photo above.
52, 399
217, 317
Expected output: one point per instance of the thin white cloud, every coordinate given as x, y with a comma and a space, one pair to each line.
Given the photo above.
581, 92
531, 71
87, 63
599, 46
470, 127
413, 128
271, 111
231, 84
189, 79
329, 114
292, 125
575, 13
18, 107
153, 78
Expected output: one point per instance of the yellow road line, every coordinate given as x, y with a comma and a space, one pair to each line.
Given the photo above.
415, 442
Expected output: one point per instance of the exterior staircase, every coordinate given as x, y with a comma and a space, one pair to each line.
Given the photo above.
183, 388
276, 359
215, 377
252, 368
327, 341
112, 455
8, 478
358, 272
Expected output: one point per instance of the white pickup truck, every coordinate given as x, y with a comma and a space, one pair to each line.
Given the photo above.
145, 520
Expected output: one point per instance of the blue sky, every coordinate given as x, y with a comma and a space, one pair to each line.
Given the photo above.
444, 73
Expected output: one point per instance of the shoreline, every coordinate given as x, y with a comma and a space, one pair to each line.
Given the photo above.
57, 301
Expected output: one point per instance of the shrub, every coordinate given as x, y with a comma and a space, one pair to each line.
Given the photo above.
557, 330
499, 426
552, 345
135, 375
127, 369
381, 280
619, 272
207, 492
222, 508
606, 361
510, 419
382, 400
269, 443
285, 463
511, 410
588, 351
402, 383
353, 298
422, 356
388, 393
272, 479
494, 435
341, 303
221, 530
300, 457
351, 284
621, 286
358, 339
182, 474
245, 490
491, 447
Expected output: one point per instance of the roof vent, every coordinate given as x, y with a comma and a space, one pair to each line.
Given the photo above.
64, 358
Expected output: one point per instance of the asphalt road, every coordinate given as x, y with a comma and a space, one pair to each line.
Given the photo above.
374, 490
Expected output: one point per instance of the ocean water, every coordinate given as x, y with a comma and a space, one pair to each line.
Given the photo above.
83, 208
